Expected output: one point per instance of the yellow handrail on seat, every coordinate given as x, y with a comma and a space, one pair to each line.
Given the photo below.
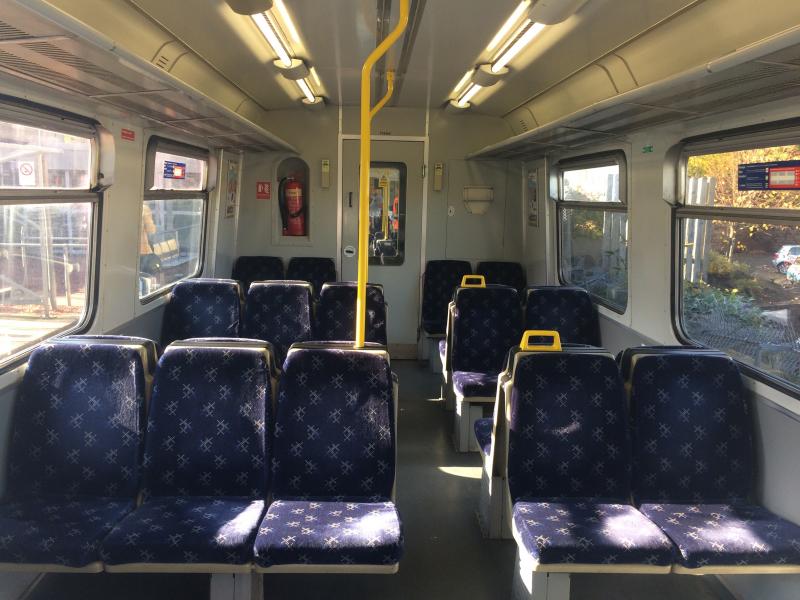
363, 188
473, 281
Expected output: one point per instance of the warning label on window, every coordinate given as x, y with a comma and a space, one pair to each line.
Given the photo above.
174, 170
781, 175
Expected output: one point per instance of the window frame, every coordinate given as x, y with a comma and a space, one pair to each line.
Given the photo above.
587, 161
40, 116
773, 134
155, 144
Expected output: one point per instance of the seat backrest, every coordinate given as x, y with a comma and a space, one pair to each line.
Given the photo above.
567, 428
78, 421
316, 270
441, 278
206, 431
202, 308
628, 357
568, 310
148, 348
336, 313
692, 429
486, 322
248, 269
503, 273
334, 425
278, 312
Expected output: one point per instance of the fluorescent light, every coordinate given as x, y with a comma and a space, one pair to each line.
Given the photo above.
512, 20
462, 83
467, 96
531, 32
286, 21
306, 89
263, 23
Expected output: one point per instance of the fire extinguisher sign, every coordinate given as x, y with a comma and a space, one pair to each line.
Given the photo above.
263, 190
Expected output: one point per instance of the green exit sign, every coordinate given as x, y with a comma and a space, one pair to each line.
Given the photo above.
648, 149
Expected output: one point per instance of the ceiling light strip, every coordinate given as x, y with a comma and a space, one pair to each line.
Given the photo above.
268, 31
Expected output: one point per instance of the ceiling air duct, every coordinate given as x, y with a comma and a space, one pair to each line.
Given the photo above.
249, 7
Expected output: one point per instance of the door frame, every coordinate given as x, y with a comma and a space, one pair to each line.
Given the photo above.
340, 195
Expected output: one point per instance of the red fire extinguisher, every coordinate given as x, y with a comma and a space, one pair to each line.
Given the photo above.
292, 207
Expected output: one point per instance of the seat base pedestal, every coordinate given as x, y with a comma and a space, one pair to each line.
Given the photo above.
237, 586
465, 416
530, 585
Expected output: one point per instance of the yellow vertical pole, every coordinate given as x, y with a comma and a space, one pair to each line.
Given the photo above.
363, 188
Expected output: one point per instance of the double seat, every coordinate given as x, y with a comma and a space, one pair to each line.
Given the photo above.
312, 269
666, 486
206, 477
280, 312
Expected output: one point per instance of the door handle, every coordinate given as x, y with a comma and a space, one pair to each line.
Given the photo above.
350, 199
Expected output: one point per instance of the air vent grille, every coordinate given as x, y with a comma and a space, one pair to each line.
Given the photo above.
26, 67
9, 32
62, 56
162, 62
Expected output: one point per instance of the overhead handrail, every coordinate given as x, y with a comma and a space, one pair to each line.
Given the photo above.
363, 188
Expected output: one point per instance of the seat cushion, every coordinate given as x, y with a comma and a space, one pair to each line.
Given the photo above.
483, 433
200, 529
589, 533
470, 384
54, 531
709, 535
329, 533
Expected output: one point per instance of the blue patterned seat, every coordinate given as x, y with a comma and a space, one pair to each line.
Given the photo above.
280, 313
503, 273
568, 310
202, 308
694, 465
486, 323
470, 384
569, 468
73, 455
483, 434
149, 349
439, 281
205, 464
248, 269
317, 271
336, 313
333, 470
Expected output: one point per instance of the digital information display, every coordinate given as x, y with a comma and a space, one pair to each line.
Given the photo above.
780, 175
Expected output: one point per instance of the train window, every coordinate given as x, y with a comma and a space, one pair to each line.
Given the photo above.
173, 215
387, 213
593, 228
738, 245
47, 224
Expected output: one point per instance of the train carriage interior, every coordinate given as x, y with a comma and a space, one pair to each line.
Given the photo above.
400, 299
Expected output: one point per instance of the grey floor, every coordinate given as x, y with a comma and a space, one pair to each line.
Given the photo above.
445, 556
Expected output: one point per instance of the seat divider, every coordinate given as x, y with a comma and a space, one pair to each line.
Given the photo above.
236, 586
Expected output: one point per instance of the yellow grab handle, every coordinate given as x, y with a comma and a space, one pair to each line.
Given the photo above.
526, 344
473, 281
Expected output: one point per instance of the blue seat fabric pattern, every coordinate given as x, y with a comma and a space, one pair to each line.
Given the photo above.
486, 323
709, 535
336, 313
187, 530
503, 273
317, 271
692, 430
483, 433
205, 460
279, 313
248, 269
330, 533
333, 464
568, 310
588, 532
74, 450
441, 278
202, 308
55, 531
568, 431
472, 384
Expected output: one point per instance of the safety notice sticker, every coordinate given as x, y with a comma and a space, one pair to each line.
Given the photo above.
779, 175
174, 170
